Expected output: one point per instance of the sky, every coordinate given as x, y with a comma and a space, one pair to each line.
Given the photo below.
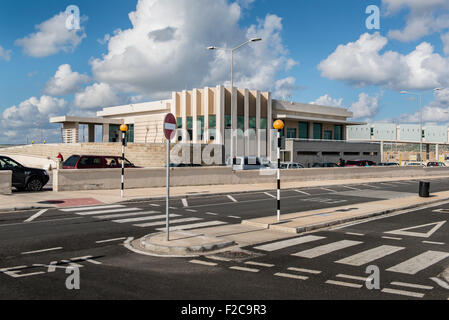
129, 51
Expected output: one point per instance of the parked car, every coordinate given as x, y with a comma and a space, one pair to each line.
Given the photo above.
389, 164
436, 164
95, 162
247, 163
415, 164
24, 178
325, 165
291, 165
359, 163
184, 165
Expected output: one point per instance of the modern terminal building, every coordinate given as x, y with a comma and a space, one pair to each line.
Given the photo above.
208, 116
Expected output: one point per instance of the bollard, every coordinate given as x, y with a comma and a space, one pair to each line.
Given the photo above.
424, 189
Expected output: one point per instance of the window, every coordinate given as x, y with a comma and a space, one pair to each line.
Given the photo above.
317, 131
241, 123
327, 135
303, 130
263, 123
71, 162
212, 121
228, 122
331, 153
8, 164
252, 123
189, 123
338, 132
307, 153
114, 133
130, 133
179, 122
352, 153
212, 127
291, 133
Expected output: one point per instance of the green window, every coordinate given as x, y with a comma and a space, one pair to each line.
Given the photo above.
212, 121
303, 130
291, 133
338, 130
130, 133
228, 122
317, 131
241, 123
263, 123
327, 135
200, 120
114, 133
179, 122
189, 123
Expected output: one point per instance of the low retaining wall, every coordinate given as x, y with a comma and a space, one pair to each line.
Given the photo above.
5, 182
105, 179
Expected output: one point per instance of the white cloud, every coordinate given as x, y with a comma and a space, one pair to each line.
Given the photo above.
30, 117
328, 101
65, 81
366, 106
165, 49
445, 39
361, 63
425, 17
284, 88
436, 111
96, 96
5, 54
51, 37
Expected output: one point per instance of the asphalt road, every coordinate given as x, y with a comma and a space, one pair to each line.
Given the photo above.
34, 255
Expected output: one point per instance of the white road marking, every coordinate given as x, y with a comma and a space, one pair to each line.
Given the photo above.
244, 269
43, 250
92, 208
195, 225
405, 232
420, 262
184, 202
354, 234
15, 272
35, 216
191, 210
212, 214
325, 189
210, 264
270, 195
325, 249
432, 242
411, 285
110, 240
344, 284
156, 224
304, 270
371, 186
403, 293
86, 258
292, 276
299, 191
234, 217
391, 238
287, 243
351, 188
441, 283
232, 198
144, 218
155, 205
92, 213
348, 276
368, 256
259, 264
219, 258
124, 215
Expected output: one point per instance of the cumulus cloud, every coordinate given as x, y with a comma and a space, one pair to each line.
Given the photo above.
51, 37
96, 96
31, 116
436, 111
361, 63
424, 18
328, 101
65, 81
165, 48
5, 54
284, 88
366, 106
445, 39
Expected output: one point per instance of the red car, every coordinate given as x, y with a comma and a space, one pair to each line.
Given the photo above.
95, 162
359, 163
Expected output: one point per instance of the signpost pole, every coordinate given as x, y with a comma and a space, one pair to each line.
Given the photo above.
167, 202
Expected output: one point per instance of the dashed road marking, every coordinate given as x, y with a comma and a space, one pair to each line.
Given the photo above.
244, 269
355, 234
195, 225
212, 214
259, 264
155, 205
124, 215
391, 238
92, 213
270, 195
432, 242
303, 192
411, 285
351, 188
330, 190
92, 208
403, 293
304, 270
348, 276
205, 263
43, 250
110, 240
344, 284
292, 276
191, 210
232, 198
35, 216
184, 202
234, 217
162, 223
144, 218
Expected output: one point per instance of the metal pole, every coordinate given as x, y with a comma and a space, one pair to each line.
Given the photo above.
420, 131
167, 202
123, 164
232, 91
279, 177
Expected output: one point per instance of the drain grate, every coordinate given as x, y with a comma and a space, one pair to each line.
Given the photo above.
238, 255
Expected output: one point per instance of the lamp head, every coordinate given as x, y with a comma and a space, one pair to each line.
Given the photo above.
255, 39
211, 48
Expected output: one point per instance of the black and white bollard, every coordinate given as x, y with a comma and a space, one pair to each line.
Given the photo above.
279, 125
123, 129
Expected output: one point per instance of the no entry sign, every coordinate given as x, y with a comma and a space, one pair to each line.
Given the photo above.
170, 126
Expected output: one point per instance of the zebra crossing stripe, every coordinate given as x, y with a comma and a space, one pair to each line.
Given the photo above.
144, 218
124, 215
291, 276
325, 249
403, 293
420, 262
368, 256
195, 225
344, 284
92, 213
304, 270
91, 208
411, 285
155, 224
287, 243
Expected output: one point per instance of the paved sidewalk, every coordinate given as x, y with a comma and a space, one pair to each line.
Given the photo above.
49, 199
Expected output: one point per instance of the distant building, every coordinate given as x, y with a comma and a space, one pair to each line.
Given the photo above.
209, 115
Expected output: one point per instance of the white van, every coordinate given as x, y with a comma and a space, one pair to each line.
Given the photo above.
246, 163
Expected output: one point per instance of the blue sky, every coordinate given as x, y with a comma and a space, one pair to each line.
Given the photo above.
298, 57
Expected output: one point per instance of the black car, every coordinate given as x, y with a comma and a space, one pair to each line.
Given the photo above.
325, 165
24, 178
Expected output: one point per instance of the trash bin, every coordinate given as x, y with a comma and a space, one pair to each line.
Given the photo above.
424, 189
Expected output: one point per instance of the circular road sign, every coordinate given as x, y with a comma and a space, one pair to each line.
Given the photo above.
170, 126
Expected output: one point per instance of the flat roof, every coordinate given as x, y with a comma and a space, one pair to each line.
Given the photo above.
83, 120
280, 105
154, 106
317, 119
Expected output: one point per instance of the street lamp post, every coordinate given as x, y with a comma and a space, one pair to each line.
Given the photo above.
420, 120
232, 50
